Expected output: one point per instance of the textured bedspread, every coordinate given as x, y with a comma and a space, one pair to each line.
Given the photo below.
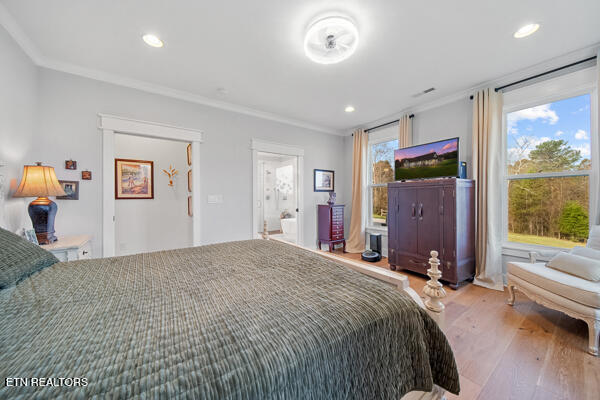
253, 320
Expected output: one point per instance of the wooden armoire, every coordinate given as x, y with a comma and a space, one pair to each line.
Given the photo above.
433, 214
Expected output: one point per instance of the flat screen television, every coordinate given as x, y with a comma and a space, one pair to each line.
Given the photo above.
430, 160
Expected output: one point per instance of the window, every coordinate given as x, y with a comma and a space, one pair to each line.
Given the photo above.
381, 171
548, 169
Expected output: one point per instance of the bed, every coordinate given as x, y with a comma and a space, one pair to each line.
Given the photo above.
253, 319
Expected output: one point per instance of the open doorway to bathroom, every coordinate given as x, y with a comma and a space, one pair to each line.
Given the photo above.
277, 181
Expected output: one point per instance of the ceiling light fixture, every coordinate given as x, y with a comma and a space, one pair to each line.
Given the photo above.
526, 30
331, 40
349, 109
152, 40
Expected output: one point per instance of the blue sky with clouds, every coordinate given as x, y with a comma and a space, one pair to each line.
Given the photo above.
567, 119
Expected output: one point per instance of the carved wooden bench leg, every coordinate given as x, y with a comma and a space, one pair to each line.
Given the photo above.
511, 294
594, 332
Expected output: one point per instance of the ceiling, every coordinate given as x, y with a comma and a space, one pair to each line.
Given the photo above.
254, 49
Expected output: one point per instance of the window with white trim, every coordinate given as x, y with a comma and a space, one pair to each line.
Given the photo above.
549, 137
380, 171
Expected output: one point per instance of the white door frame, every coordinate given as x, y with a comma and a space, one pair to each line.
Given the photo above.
111, 125
264, 146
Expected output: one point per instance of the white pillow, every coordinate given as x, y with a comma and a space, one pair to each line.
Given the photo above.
583, 267
594, 238
586, 252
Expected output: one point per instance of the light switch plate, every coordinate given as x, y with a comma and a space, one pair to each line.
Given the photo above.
215, 198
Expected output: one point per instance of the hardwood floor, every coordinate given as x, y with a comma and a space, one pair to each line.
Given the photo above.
520, 352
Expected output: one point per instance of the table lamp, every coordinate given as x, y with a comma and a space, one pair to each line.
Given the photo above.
40, 181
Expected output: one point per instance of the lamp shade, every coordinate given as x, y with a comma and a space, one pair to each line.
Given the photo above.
39, 181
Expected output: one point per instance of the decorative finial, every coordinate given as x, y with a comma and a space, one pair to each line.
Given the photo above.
434, 290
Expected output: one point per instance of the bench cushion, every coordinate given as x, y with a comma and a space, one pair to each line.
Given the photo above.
565, 285
572, 264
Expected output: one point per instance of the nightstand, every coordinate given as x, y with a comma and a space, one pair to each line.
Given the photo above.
70, 248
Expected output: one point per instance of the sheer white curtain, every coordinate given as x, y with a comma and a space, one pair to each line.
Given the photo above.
488, 172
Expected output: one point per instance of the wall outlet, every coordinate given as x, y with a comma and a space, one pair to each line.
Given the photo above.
215, 199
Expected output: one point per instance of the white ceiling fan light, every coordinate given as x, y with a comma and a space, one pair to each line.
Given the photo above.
331, 40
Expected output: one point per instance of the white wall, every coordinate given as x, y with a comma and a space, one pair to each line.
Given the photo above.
18, 110
163, 222
65, 126
444, 122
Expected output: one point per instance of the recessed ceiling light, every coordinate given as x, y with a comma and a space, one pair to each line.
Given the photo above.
526, 30
349, 109
331, 40
152, 40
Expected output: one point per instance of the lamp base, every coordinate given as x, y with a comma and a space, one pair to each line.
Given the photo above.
42, 212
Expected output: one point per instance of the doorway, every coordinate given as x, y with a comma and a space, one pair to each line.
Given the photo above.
162, 222
110, 125
277, 194
278, 202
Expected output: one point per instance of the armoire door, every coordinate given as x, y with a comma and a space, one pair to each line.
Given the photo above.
406, 221
448, 250
429, 219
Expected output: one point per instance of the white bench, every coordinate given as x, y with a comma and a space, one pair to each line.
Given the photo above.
554, 289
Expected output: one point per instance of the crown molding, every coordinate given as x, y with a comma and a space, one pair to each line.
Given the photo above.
14, 30
179, 94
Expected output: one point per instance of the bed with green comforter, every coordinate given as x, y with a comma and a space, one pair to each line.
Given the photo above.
253, 319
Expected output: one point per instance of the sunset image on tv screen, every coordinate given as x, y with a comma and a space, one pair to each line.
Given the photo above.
432, 160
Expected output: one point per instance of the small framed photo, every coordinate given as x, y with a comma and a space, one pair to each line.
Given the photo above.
71, 188
323, 180
86, 175
190, 207
30, 236
134, 179
70, 164
190, 181
189, 154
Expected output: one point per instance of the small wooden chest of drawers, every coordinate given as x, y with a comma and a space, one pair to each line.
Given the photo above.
331, 225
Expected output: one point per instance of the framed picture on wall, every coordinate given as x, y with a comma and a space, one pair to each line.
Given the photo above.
70, 164
71, 189
323, 180
134, 179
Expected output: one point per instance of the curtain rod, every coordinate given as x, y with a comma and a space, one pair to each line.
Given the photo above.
543, 74
386, 124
